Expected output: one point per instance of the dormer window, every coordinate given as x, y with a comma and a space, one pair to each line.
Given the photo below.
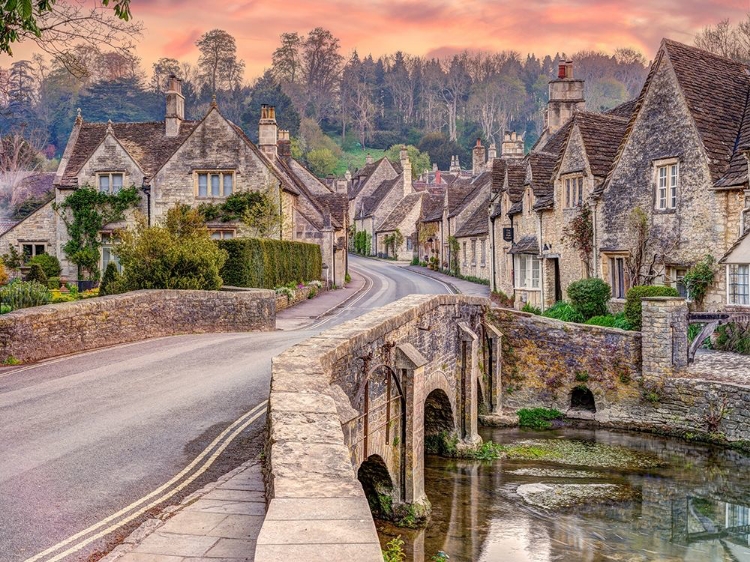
109, 182
215, 183
573, 192
667, 183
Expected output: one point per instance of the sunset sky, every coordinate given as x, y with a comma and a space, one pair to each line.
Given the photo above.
424, 27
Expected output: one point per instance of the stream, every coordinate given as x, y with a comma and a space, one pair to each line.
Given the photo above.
585, 496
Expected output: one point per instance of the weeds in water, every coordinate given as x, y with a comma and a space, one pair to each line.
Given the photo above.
394, 551
538, 418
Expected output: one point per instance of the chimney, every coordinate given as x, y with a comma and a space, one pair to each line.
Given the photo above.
565, 97
512, 147
406, 166
455, 165
368, 158
477, 158
434, 167
284, 145
491, 156
268, 131
175, 107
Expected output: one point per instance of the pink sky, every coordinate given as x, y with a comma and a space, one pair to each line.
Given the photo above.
424, 27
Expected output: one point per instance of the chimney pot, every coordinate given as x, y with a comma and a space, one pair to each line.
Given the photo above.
175, 113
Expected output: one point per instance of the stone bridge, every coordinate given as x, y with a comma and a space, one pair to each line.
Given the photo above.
350, 410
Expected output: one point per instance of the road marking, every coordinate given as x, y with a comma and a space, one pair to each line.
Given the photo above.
170, 487
369, 282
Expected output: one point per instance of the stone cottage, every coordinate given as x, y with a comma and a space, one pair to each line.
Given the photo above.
189, 162
683, 165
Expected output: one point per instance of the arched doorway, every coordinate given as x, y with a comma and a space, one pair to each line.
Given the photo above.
582, 399
439, 423
378, 486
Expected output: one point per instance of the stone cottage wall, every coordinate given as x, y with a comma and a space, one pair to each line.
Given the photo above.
37, 228
33, 334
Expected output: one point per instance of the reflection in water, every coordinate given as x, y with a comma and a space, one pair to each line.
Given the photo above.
695, 509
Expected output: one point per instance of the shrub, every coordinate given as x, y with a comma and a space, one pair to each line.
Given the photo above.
24, 294
733, 337
699, 278
53, 283
36, 273
3, 274
562, 310
267, 264
589, 297
528, 307
633, 301
180, 255
112, 282
538, 418
50, 264
607, 321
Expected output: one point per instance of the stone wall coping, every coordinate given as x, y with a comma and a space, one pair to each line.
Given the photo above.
663, 299
308, 463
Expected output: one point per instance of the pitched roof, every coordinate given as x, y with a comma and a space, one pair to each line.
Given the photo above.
399, 212
432, 208
716, 92
624, 110
146, 143
602, 135
476, 224
371, 202
526, 245
542, 169
7, 224
469, 188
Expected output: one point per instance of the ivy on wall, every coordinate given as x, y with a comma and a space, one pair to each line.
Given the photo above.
85, 212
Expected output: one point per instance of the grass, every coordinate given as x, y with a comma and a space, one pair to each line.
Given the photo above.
355, 159
538, 418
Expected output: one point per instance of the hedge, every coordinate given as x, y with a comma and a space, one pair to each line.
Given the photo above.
589, 297
267, 264
633, 301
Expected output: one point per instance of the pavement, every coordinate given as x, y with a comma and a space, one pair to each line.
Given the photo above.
98, 443
461, 286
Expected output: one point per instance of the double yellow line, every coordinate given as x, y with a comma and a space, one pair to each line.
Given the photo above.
201, 464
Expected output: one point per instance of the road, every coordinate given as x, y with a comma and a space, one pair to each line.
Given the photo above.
86, 438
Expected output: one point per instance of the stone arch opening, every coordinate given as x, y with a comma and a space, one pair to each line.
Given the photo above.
439, 423
378, 486
582, 399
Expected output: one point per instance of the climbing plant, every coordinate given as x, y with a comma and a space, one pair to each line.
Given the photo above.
393, 242
580, 234
85, 212
455, 248
699, 278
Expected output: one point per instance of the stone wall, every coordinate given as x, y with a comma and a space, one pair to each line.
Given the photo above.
33, 334
545, 359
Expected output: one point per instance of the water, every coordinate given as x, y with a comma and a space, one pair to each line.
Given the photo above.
695, 508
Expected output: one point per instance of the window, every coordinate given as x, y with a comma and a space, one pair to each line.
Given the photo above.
108, 253
617, 277
679, 282
667, 180
739, 283
573, 192
409, 244
473, 252
31, 250
482, 251
528, 271
222, 234
110, 182
464, 247
215, 184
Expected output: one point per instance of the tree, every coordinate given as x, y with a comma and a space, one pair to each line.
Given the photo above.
161, 71
440, 149
649, 246
321, 66
56, 26
726, 40
420, 161
178, 255
322, 162
580, 234
267, 90
264, 218
20, 157
219, 67
287, 61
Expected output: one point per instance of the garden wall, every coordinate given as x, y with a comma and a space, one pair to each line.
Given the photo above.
33, 334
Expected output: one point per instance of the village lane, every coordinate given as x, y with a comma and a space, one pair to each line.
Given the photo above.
87, 435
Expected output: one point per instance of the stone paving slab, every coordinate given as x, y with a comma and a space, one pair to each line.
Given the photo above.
721, 366
220, 523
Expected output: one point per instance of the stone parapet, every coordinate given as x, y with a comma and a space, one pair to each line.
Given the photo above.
665, 341
33, 334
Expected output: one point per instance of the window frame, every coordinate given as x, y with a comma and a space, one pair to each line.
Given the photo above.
223, 233
34, 247
221, 174
617, 275
572, 190
107, 241
666, 184
110, 180
528, 269
732, 295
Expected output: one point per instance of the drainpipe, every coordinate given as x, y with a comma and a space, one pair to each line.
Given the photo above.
146, 189
281, 216
543, 263
595, 242
493, 283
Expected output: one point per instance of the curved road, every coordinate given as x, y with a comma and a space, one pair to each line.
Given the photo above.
85, 436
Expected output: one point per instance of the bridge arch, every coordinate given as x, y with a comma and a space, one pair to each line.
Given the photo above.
378, 486
439, 415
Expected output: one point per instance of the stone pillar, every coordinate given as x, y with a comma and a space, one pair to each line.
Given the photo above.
468, 365
664, 322
410, 365
494, 377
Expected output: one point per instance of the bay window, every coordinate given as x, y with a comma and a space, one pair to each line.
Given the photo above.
738, 276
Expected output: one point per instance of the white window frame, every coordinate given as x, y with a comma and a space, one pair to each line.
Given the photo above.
108, 246
528, 272
738, 272
666, 184
110, 182
221, 177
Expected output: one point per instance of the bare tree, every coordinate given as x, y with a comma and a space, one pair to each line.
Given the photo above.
321, 65
287, 59
219, 66
161, 71
726, 40
20, 157
649, 248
